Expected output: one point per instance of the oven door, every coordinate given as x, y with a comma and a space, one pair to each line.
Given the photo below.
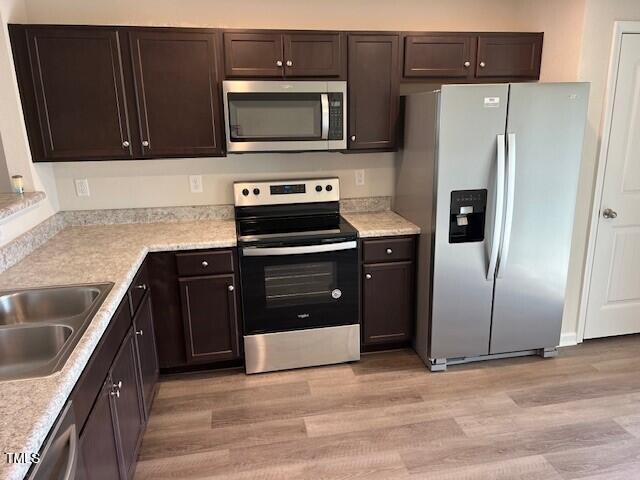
299, 287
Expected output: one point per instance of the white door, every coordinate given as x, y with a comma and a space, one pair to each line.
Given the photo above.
614, 297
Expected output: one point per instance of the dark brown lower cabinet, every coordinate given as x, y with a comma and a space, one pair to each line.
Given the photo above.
210, 317
99, 451
388, 294
146, 350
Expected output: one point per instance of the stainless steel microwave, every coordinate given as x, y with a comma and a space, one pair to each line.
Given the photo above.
275, 116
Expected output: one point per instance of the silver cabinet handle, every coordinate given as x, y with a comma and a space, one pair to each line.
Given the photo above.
368, 276
289, 63
140, 333
609, 213
231, 288
389, 251
142, 286
279, 63
125, 144
205, 264
145, 143
115, 389
353, 138
467, 64
482, 64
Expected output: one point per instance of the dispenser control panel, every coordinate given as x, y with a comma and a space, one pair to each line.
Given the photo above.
467, 216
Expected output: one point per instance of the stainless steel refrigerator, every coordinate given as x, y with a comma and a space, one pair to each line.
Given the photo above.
490, 174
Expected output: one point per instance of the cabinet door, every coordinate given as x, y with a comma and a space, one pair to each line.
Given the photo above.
209, 314
439, 56
176, 82
387, 311
146, 349
509, 56
79, 93
127, 402
99, 453
253, 54
313, 54
373, 91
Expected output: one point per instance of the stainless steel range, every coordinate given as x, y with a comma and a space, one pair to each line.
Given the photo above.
299, 273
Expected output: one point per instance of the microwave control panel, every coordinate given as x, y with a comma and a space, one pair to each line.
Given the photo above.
335, 116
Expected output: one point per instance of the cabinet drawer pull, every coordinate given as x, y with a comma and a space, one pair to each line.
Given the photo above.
289, 63
467, 64
125, 144
115, 389
482, 64
279, 63
145, 143
231, 288
142, 286
205, 264
389, 251
139, 333
353, 138
368, 276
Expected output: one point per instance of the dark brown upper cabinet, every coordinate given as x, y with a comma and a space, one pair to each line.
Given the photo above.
374, 94
439, 56
210, 316
509, 55
176, 76
73, 91
313, 55
284, 54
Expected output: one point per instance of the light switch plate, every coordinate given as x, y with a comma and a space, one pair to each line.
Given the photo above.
82, 187
195, 183
359, 178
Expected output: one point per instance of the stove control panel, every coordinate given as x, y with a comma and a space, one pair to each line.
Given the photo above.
281, 192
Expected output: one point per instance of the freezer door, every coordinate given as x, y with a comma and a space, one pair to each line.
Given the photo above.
472, 123
545, 130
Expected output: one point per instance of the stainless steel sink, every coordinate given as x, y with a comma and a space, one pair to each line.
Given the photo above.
40, 327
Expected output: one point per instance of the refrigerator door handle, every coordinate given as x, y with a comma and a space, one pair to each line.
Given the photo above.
511, 193
499, 209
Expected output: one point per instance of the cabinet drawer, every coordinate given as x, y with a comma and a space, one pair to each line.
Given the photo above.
93, 376
138, 288
388, 250
204, 263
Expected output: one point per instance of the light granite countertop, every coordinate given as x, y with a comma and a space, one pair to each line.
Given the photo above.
11, 203
380, 224
108, 253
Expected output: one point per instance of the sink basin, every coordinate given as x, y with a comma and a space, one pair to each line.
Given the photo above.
47, 304
40, 327
31, 349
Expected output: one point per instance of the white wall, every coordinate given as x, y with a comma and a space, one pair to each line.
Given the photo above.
14, 137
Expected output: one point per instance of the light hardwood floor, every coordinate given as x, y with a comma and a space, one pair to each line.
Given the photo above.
387, 417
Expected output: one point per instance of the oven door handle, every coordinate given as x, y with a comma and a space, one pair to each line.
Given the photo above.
324, 101
279, 251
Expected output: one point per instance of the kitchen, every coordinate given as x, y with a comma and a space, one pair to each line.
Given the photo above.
252, 191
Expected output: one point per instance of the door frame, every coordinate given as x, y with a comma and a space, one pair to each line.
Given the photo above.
619, 29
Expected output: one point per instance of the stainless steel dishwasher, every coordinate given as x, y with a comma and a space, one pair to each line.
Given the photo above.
59, 456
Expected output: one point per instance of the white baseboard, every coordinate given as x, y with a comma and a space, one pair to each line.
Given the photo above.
568, 339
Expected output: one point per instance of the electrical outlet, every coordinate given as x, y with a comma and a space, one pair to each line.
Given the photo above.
195, 183
359, 178
82, 187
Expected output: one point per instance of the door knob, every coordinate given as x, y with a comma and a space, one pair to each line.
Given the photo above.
289, 63
279, 63
389, 251
205, 264
482, 64
608, 213
125, 144
467, 64
139, 333
145, 143
353, 138
231, 288
368, 276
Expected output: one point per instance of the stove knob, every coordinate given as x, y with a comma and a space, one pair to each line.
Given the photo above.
329, 188
318, 188
256, 191
245, 192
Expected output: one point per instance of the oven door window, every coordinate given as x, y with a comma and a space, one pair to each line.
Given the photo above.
293, 292
274, 116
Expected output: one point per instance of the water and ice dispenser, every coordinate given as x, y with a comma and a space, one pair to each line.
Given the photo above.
467, 215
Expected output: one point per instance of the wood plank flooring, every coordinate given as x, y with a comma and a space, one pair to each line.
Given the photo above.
386, 417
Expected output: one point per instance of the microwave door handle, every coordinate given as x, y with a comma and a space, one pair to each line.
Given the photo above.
298, 250
324, 102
